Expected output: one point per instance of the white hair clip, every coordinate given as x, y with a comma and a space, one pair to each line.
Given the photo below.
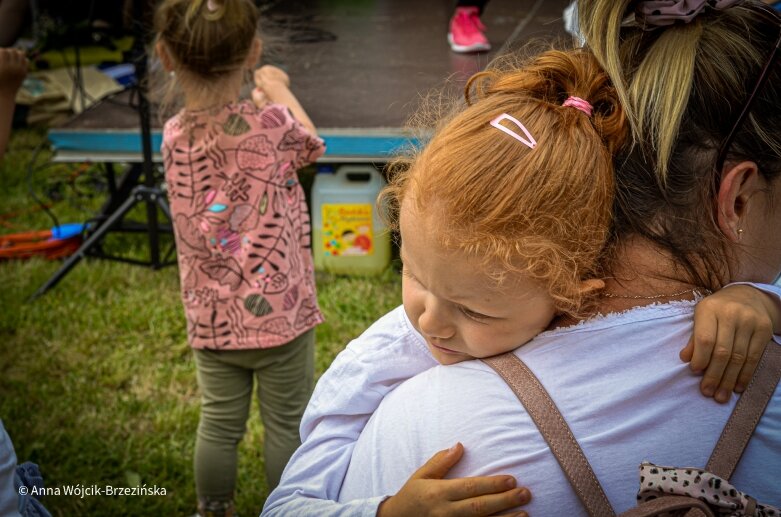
529, 141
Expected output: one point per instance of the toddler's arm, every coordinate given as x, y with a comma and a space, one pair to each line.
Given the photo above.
731, 329
274, 86
384, 356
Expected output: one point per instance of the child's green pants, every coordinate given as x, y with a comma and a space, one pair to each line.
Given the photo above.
284, 377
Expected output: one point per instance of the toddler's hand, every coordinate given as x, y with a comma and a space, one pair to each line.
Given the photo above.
259, 98
427, 494
13, 69
731, 329
270, 75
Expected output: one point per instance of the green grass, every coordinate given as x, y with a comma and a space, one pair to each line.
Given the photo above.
97, 382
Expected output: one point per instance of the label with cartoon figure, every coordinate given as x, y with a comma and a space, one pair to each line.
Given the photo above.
347, 230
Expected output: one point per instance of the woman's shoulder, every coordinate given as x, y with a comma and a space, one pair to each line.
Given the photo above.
374, 363
392, 331
389, 345
647, 315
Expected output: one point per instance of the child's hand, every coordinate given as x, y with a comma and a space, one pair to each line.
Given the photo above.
427, 494
259, 98
731, 329
269, 75
13, 69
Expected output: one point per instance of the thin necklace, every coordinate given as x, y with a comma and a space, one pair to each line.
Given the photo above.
696, 290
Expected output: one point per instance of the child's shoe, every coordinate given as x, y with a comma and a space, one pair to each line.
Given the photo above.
207, 508
466, 31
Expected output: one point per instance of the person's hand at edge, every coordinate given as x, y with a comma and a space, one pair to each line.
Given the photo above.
13, 69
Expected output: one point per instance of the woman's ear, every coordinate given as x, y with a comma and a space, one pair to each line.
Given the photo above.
591, 285
738, 186
254, 53
165, 57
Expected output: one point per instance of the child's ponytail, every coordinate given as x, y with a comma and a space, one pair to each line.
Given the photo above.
211, 10
553, 78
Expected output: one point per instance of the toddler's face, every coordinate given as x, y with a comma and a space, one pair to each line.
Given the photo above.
456, 306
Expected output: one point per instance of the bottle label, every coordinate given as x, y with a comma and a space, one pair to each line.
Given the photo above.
348, 230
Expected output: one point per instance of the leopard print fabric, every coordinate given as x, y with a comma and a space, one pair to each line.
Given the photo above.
723, 498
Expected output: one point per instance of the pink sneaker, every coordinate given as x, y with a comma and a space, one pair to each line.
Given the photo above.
466, 31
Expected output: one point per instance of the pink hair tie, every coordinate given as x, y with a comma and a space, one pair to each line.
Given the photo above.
580, 104
211, 5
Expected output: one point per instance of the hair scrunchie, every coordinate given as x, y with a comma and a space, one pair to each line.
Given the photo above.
660, 13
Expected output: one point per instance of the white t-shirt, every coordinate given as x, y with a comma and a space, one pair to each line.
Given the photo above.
621, 387
346, 396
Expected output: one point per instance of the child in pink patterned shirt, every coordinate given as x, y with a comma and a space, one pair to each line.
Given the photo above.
243, 236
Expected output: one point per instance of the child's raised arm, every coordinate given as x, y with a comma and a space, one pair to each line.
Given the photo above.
731, 329
275, 84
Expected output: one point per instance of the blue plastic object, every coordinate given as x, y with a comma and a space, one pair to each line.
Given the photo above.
124, 73
67, 230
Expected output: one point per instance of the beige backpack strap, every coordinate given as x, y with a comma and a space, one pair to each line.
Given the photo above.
732, 442
670, 503
748, 410
726, 455
555, 430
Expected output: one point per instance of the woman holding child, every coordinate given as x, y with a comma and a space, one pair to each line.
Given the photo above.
696, 208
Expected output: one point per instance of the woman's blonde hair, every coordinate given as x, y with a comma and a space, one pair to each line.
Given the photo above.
544, 211
683, 87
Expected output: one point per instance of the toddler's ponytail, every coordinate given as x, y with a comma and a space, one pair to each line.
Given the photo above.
553, 78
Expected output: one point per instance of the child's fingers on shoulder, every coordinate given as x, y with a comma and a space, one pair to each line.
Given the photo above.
730, 309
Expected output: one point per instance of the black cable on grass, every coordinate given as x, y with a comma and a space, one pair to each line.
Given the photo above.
31, 169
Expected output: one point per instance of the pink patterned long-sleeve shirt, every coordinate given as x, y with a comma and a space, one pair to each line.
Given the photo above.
241, 224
